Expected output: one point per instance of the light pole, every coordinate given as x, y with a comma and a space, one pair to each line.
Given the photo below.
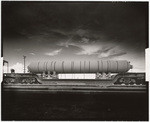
4, 61
24, 57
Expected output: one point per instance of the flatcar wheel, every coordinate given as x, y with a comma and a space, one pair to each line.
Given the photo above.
24, 81
32, 81
6, 81
28, 81
127, 81
121, 81
132, 81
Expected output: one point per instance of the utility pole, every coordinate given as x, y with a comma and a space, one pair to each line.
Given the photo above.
24, 57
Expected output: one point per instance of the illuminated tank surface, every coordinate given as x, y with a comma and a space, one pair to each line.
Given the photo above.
118, 66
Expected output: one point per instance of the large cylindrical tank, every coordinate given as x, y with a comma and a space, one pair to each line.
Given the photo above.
106, 66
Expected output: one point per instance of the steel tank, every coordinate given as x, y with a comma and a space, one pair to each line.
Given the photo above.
113, 66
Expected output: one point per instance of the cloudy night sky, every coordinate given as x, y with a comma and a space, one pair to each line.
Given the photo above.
74, 31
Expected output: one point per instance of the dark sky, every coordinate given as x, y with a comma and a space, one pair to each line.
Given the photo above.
75, 31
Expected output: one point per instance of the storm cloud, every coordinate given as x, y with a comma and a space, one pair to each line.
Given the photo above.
81, 30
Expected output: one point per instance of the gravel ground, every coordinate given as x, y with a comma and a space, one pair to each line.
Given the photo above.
73, 106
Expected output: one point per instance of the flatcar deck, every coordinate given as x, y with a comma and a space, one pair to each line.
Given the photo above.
74, 88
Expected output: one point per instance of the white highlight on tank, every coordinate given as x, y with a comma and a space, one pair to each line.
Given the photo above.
76, 76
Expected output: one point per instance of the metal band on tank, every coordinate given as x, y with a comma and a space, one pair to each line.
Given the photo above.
107, 66
43, 63
63, 66
110, 66
98, 65
102, 65
54, 65
73, 67
80, 66
90, 66
117, 66
127, 66
84, 66
38, 66
51, 65
46, 66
